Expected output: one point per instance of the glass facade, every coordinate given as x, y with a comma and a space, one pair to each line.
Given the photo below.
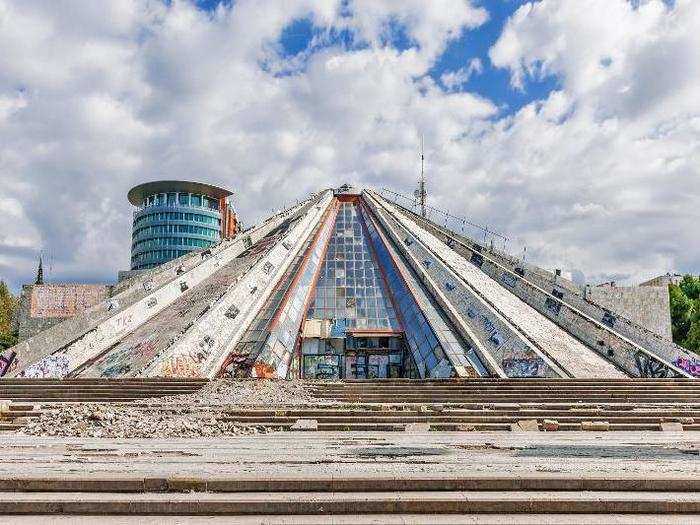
170, 224
350, 288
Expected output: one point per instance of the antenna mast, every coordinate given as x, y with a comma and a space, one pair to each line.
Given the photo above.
421, 184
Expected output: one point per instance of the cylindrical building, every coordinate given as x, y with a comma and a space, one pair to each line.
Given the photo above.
175, 217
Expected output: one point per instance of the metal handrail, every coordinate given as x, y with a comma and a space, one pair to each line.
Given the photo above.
487, 231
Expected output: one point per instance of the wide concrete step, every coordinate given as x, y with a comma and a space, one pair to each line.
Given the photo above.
693, 387
512, 399
368, 519
314, 412
291, 503
450, 419
354, 483
486, 380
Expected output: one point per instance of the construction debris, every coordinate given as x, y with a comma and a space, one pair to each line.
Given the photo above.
245, 392
305, 424
668, 426
525, 425
203, 413
602, 426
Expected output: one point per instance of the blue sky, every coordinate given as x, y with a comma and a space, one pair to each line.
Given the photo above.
492, 83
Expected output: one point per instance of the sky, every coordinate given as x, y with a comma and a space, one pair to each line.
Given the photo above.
573, 127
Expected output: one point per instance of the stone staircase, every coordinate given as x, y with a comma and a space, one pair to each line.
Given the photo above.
23, 398
427, 499
494, 404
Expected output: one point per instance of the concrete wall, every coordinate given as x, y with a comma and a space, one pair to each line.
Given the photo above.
648, 306
42, 306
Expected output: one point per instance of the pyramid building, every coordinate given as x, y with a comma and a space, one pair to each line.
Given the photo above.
347, 284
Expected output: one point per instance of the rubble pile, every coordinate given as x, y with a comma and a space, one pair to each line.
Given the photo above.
128, 421
201, 414
240, 392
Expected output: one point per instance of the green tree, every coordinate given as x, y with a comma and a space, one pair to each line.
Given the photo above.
8, 306
690, 286
685, 312
681, 310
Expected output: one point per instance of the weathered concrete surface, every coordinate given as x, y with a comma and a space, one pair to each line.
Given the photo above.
376, 519
630, 454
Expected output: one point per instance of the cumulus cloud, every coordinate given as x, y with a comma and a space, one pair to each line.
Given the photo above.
455, 79
600, 175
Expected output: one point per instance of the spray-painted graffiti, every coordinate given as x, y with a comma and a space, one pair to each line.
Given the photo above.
477, 259
523, 364
52, 366
234, 365
188, 365
552, 304
117, 363
650, 367
489, 327
609, 319
692, 366
6, 359
263, 370
508, 279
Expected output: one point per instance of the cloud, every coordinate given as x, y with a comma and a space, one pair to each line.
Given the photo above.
601, 175
454, 79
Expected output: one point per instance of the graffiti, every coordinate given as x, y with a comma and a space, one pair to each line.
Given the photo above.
647, 366
112, 304
148, 286
6, 359
180, 270
408, 241
183, 286
63, 301
233, 366
472, 311
477, 259
477, 248
53, 366
328, 367
450, 242
247, 242
232, 312
123, 321
427, 263
688, 364
206, 253
116, 363
491, 330
449, 286
152, 302
116, 370
509, 279
553, 305
180, 366
520, 271
609, 319
263, 370
514, 367
268, 267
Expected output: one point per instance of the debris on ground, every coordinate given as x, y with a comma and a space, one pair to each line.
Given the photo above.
242, 392
205, 413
